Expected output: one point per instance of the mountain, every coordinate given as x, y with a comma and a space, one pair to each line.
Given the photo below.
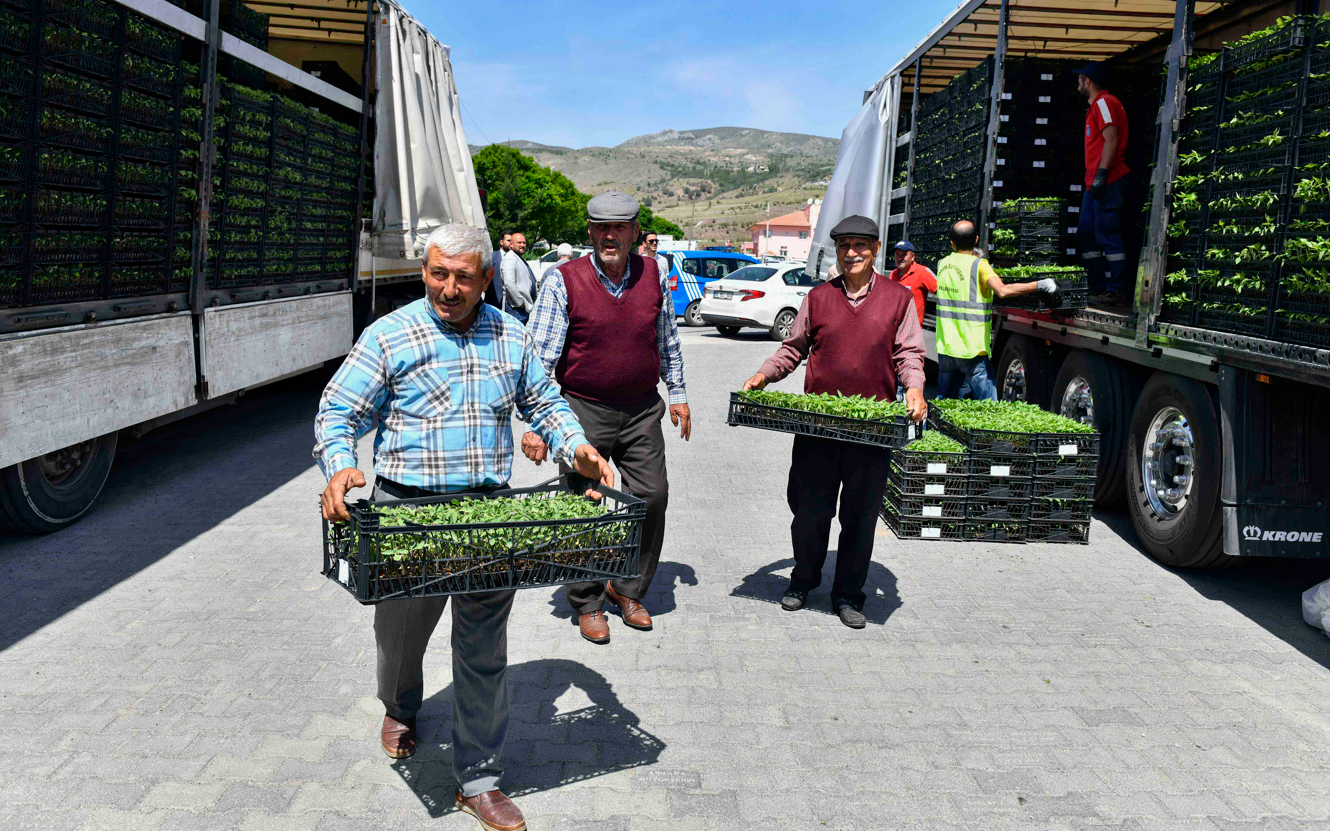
740, 138
714, 182
523, 145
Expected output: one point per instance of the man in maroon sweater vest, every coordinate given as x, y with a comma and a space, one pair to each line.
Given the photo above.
604, 326
861, 336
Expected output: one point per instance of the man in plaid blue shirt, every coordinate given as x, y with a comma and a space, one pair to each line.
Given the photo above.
442, 377
604, 326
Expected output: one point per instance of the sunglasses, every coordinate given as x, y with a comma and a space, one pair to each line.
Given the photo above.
653, 242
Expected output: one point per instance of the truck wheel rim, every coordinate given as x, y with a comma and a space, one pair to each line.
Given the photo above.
65, 468
1078, 401
1167, 465
785, 325
1013, 383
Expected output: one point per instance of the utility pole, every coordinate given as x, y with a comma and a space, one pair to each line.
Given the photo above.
768, 251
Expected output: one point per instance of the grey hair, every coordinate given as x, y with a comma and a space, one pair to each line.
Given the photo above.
459, 239
565, 250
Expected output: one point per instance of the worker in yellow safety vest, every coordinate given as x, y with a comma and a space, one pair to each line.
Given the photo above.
966, 286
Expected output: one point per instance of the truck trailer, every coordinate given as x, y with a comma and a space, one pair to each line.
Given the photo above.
1210, 390
196, 199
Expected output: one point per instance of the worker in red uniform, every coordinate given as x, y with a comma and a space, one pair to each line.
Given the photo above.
915, 276
1099, 230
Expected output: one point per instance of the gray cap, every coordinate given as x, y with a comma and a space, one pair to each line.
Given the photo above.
612, 206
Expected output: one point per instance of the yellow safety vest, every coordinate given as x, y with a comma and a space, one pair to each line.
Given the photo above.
964, 317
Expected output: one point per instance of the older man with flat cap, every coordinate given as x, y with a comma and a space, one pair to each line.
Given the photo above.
861, 336
604, 326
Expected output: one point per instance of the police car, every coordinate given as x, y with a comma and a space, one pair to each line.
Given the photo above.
691, 271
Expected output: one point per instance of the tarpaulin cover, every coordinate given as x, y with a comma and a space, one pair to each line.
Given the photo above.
862, 181
423, 173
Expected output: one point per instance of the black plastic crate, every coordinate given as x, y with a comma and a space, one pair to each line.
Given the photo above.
79, 52
15, 121
1242, 136
89, 135
59, 169
923, 484
1055, 531
1231, 313
464, 559
16, 76
68, 208
147, 145
145, 214
1075, 294
997, 487
1003, 442
91, 16
149, 75
1293, 36
1066, 467
998, 466
1302, 332
1062, 488
927, 507
910, 462
1314, 124
1067, 510
913, 528
990, 531
146, 111
15, 29
996, 508
1273, 88
148, 38
89, 96
895, 432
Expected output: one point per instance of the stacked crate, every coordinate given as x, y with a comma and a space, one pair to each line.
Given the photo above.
1250, 201
927, 495
1028, 231
949, 159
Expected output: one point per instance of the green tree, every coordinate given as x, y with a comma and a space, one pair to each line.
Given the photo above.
521, 195
658, 224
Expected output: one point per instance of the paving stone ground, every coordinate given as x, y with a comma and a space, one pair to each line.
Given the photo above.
175, 661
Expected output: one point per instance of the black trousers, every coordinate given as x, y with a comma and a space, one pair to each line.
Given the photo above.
631, 437
819, 470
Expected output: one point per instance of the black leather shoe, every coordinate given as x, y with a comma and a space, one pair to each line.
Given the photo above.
793, 600
851, 617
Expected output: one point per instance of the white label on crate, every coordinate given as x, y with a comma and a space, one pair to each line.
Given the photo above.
1038, 164
1046, 76
930, 533
1006, 96
1004, 118
1001, 162
910, 432
1073, 209
1066, 450
1071, 252
343, 573
1041, 142
997, 183
1002, 139
933, 511
937, 467
935, 490
999, 470
1076, 188
1072, 229
1041, 121
1045, 99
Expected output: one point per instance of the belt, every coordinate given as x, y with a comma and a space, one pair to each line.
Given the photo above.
399, 491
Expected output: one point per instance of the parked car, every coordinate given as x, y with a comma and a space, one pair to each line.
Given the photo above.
763, 296
549, 258
693, 271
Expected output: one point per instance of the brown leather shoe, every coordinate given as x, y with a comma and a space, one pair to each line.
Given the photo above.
595, 627
493, 810
398, 737
634, 613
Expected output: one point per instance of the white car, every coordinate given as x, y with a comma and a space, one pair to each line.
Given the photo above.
762, 296
549, 258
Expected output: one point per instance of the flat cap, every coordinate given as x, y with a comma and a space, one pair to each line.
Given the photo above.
612, 206
855, 226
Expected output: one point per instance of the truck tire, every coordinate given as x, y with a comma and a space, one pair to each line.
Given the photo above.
1097, 391
1023, 371
50, 492
1175, 432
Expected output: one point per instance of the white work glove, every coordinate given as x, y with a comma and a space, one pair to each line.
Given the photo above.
1048, 285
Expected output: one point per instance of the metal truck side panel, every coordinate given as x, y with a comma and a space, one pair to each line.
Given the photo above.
67, 385
252, 343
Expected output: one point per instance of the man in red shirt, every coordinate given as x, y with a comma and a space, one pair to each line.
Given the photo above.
913, 275
1099, 229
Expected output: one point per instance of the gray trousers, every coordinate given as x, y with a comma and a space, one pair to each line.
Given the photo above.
402, 630
632, 438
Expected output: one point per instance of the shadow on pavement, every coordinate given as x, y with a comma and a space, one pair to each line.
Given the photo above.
1266, 590
768, 586
659, 600
592, 741
165, 489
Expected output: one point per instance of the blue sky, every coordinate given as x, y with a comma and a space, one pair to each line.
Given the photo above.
597, 73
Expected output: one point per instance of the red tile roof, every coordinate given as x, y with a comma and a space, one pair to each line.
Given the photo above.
798, 219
